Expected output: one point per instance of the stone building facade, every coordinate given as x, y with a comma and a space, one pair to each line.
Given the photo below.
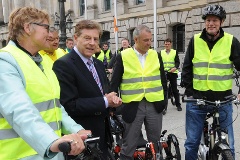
176, 19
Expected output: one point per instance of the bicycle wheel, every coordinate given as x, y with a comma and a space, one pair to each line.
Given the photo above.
173, 152
225, 154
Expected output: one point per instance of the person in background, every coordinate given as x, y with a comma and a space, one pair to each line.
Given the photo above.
171, 63
207, 74
105, 55
32, 118
53, 52
139, 73
125, 44
69, 45
84, 84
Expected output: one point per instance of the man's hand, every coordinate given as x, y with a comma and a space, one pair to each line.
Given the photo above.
238, 96
84, 133
110, 70
113, 99
173, 70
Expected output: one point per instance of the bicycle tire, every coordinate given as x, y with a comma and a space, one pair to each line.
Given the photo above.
173, 148
225, 154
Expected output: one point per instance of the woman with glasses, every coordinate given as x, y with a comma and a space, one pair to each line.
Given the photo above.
31, 118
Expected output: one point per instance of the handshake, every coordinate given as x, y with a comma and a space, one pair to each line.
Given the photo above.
113, 99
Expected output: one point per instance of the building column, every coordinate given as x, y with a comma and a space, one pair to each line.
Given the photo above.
1, 13
5, 5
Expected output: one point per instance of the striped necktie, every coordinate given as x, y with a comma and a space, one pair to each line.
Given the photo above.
94, 73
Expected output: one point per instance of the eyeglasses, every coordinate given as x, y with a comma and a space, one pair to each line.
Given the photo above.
46, 26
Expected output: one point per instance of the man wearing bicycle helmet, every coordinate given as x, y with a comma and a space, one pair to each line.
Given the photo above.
207, 73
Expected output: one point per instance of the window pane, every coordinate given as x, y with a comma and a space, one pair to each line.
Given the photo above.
107, 5
179, 38
140, 1
82, 7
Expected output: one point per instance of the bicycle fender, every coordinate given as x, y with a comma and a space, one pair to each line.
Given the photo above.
174, 139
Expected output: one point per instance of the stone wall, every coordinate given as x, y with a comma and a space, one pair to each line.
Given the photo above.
190, 17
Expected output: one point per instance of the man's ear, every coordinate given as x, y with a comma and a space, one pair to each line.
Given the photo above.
222, 22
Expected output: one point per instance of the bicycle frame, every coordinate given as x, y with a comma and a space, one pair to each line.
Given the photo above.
212, 135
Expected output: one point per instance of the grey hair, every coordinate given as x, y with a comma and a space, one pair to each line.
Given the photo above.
137, 31
53, 29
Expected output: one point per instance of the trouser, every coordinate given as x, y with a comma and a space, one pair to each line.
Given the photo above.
195, 118
152, 120
172, 77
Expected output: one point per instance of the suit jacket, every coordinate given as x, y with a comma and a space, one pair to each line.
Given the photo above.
80, 94
129, 110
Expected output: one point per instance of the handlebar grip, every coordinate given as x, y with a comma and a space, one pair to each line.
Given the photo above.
189, 100
64, 147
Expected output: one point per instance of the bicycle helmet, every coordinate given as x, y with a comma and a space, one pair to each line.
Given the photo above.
216, 10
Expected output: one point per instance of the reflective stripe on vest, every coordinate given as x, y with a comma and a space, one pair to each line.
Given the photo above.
44, 91
168, 59
212, 69
138, 82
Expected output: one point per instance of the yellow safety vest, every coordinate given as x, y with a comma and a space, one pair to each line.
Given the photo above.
44, 91
56, 54
212, 69
101, 56
168, 59
138, 82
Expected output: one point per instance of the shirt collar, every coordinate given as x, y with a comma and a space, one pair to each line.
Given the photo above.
139, 54
85, 60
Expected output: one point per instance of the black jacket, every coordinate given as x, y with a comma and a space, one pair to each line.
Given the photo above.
187, 70
81, 96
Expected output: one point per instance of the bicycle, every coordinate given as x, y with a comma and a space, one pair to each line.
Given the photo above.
169, 94
170, 145
91, 152
213, 144
147, 151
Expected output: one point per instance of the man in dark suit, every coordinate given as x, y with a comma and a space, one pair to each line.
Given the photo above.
139, 73
84, 84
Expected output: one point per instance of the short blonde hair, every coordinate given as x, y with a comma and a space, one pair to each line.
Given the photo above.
21, 16
87, 24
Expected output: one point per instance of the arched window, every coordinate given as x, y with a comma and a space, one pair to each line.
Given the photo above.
105, 37
4, 43
179, 38
131, 40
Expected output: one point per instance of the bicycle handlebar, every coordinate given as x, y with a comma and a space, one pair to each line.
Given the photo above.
231, 98
65, 147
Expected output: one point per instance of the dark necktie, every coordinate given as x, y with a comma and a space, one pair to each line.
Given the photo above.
94, 73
